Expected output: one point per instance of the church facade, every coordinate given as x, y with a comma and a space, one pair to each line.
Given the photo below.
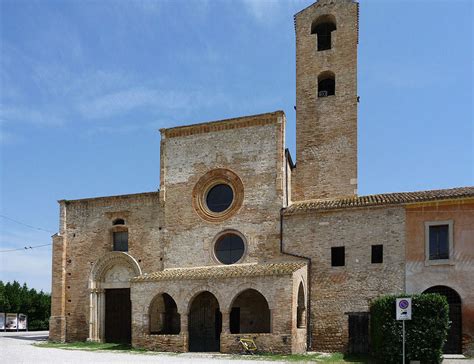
239, 242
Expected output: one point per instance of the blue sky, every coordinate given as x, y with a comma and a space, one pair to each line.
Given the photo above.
86, 84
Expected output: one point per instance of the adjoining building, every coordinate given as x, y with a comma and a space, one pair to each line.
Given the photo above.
241, 242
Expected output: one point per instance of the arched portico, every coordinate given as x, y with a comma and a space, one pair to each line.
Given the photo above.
205, 323
110, 275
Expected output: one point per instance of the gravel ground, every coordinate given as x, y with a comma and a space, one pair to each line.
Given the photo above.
18, 348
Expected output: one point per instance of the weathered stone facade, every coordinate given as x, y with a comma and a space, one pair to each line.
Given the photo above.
283, 255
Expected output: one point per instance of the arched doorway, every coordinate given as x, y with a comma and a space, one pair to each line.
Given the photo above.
110, 305
249, 313
453, 343
205, 323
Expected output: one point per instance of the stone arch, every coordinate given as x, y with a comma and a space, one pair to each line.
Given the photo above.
164, 318
323, 27
301, 307
205, 322
111, 271
250, 313
326, 84
251, 285
110, 260
185, 305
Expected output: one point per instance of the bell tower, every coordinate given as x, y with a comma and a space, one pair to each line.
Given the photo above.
326, 100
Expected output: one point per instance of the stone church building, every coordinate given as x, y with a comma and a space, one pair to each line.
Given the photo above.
241, 242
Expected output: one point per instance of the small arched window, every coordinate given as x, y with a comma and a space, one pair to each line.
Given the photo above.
323, 27
326, 84
118, 222
301, 308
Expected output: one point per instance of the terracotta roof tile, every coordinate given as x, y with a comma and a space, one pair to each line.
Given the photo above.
222, 271
398, 198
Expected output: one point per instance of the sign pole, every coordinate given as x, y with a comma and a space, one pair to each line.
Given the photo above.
403, 323
403, 311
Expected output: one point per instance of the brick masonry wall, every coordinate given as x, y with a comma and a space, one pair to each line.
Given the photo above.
86, 235
252, 148
458, 273
269, 343
326, 127
277, 290
336, 291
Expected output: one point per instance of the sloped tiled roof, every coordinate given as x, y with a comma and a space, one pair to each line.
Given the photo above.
398, 198
222, 271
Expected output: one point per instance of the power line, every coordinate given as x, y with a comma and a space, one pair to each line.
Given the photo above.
30, 226
24, 248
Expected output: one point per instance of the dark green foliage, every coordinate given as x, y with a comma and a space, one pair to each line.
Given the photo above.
19, 299
425, 333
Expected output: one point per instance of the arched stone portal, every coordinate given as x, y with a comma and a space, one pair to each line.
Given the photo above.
250, 313
110, 306
205, 323
453, 344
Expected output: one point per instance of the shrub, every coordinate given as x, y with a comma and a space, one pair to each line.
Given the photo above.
425, 333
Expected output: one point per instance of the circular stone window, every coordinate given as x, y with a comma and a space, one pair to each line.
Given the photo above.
229, 248
218, 195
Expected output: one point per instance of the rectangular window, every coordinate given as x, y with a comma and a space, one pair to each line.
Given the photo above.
439, 242
121, 241
377, 253
338, 256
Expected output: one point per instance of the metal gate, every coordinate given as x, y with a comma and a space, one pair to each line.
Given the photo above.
205, 322
118, 316
359, 333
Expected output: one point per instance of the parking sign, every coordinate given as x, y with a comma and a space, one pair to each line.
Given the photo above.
403, 308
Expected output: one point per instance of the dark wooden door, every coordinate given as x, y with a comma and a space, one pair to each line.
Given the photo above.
454, 339
205, 322
359, 333
118, 316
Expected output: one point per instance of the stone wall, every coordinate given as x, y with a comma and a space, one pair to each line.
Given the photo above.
336, 291
458, 272
326, 127
85, 236
277, 291
252, 148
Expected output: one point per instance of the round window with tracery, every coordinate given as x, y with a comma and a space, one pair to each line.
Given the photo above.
229, 248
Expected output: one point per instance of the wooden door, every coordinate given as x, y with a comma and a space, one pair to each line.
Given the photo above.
359, 333
205, 322
118, 316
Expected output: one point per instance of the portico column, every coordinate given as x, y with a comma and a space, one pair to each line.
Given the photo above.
101, 315
92, 315
225, 322
185, 331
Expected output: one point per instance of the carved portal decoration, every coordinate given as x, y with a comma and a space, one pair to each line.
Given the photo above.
113, 270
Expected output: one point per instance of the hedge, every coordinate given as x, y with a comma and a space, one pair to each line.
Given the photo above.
425, 333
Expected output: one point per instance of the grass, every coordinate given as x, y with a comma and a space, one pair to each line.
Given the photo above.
312, 357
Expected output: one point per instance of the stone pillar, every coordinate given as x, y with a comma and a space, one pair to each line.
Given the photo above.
101, 315
225, 322
184, 331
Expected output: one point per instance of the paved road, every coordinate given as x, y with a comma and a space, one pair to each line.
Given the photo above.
17, 348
